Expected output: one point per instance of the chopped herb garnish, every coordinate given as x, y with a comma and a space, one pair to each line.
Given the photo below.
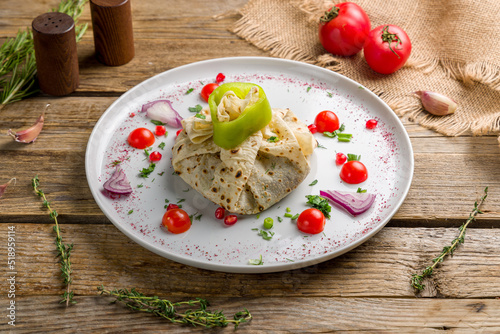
273, 165
255, 229
146, 171
319, 203
273, 139
256, 262
361, 190
361, 87
290, 260
330, 134
198, 217
266, 235
341, 128
196, 108
295, 216
181, 200
161, 173
130, 212
200, 116
329, 94
140, 185
257, 216
320, 146
166, 200
162, 145
190, 90
308, 89
313, 183
288, 215
280, 219
353, 157
116, 162
157, 122
288, 210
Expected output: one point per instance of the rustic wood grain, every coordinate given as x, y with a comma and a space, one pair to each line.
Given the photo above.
381, 267
294, 315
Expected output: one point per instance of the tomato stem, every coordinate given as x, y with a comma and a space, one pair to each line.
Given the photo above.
389, 38
330, 14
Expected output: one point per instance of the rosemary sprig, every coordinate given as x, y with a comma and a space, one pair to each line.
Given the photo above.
416, 280
63, 251
17, 57
166, 309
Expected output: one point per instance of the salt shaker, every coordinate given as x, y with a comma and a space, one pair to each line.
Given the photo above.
55, 52
113, 35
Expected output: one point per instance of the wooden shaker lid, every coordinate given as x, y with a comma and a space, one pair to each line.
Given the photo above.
55, 51
113, 34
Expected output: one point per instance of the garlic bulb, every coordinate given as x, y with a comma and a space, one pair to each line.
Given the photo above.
437, 104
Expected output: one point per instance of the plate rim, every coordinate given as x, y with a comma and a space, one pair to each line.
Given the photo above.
249, 269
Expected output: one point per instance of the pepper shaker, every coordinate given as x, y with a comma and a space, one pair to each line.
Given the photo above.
113, 34
54, 41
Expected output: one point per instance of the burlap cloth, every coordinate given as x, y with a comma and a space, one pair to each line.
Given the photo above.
456, 52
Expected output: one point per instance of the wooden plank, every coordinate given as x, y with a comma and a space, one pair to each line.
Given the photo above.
381, 267
277, 315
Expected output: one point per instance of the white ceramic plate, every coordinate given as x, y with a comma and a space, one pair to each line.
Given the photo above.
307, 90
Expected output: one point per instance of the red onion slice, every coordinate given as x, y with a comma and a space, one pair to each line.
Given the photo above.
162, 110
354, 203
118, 183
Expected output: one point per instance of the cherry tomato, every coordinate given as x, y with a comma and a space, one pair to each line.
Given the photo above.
230, 220
311, 221
220, 77
387, 48
312, 128
353, 172
219, 213
160, 130
326, 121
178, 131
155, 156
344, 28
176, 221
371, 124
340, 158
207, 90
141, 138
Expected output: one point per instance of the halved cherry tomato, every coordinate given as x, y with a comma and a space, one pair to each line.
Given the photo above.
155, 156
312, 128
141, 138
326, 121
176, 221
353, 172
207, 90
340, 158
311, 221
160, 130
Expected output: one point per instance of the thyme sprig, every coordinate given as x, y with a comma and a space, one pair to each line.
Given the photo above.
17, 57
63, 251
168, 310
416, 280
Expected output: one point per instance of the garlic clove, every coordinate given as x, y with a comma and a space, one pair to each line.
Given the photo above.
3, 187
30, 134
437, 104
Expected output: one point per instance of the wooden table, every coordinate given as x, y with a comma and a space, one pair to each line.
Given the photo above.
366, 289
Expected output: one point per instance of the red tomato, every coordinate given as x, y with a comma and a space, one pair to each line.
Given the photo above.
326, 121
220, 212
387, 48
220, 77
344, 28
311, 221
141, 138
230, 220
207, 90
353, 172
176, 221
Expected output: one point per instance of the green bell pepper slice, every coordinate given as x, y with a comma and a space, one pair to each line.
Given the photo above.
253, 118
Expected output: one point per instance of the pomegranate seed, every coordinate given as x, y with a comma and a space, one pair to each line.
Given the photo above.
219, 213
132, 114
155, 156
371, 124
220, 77
230, 220
340, 158
312, 128
160, 130
178, 131
172, 206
